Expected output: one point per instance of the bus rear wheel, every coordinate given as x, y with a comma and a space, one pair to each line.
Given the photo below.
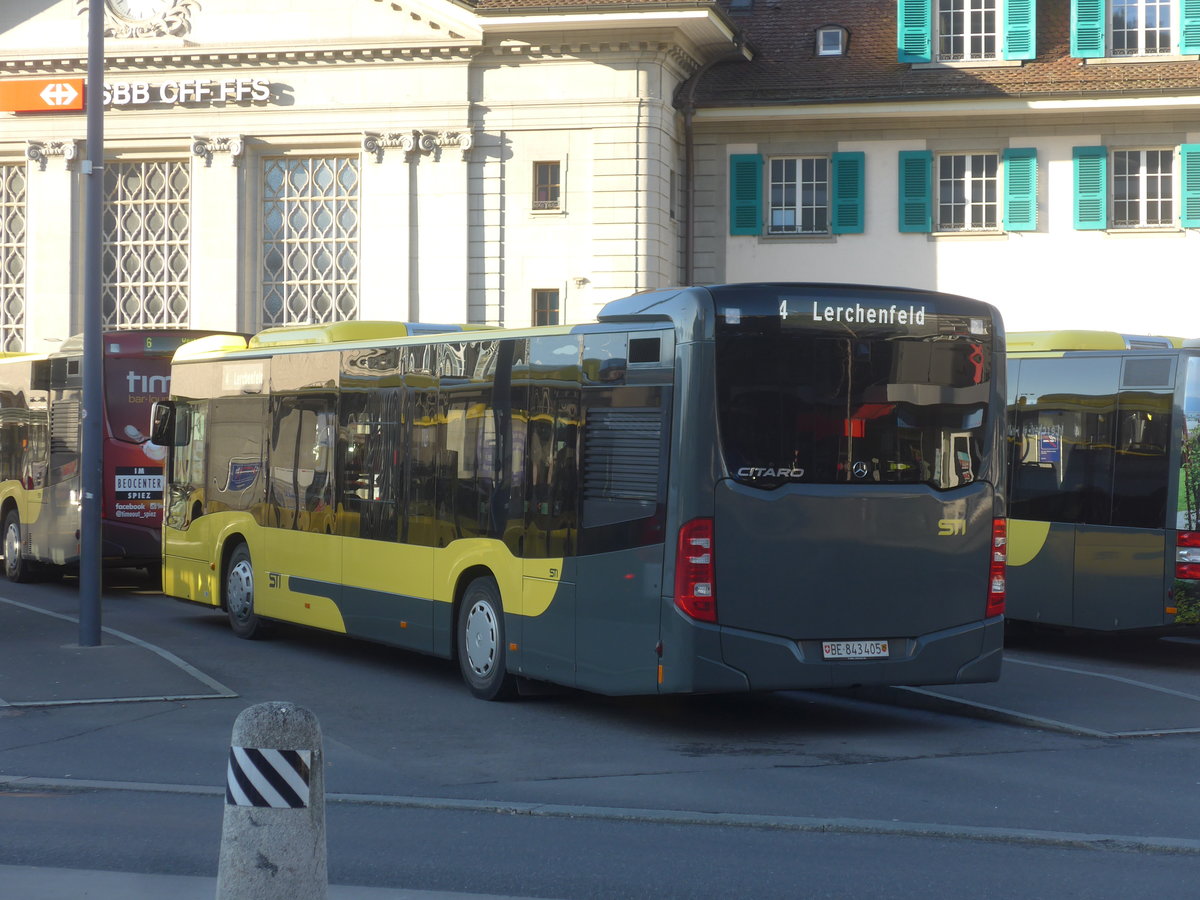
16, 567
239, 595
481, 647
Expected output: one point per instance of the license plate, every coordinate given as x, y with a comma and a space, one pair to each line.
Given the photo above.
854, 649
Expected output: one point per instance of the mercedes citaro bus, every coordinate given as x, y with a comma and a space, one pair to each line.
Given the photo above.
730, 488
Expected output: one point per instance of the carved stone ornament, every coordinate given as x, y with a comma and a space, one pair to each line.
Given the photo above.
144, 18
39, 152
205, 147
427, 142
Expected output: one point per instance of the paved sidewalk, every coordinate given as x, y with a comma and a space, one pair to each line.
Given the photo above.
43, 664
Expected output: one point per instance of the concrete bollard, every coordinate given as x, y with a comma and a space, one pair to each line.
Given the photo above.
273, 835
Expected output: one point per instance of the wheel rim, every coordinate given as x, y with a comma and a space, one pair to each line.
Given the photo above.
12, 547
482, 638
239, 591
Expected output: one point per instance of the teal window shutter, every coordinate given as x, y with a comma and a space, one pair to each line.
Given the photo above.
1020, 29
916, 190
745, 193
1091, 187
915, 38
1189, 26
1020, 189
847, 191
1087, 28
1189, 157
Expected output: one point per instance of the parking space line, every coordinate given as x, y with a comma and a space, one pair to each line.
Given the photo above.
1130, 681
1009, 716
219, 691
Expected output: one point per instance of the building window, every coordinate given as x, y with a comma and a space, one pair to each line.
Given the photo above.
310, 244
969, 30
546, 184
545, 307
12, 258
966, 29
968, 192
1140, 27
1148, 188
799, 195
831, 40
1143, 188
677, 197
1130, 28
145, 254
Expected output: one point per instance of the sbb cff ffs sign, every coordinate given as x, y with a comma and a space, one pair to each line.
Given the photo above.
42, 95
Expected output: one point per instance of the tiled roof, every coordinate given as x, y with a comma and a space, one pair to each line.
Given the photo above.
786, 69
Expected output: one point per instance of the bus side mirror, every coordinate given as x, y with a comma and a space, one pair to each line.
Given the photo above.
162, 424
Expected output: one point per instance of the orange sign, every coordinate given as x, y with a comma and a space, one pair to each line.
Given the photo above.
42, 95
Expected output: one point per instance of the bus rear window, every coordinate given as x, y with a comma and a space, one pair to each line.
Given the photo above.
880, 403
131, 385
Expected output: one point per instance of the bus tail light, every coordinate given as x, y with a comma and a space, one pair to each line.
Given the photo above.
694, 571
1187, 554
997, 568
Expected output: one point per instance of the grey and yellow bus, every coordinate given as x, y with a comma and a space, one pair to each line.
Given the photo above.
1104, 483
719, 489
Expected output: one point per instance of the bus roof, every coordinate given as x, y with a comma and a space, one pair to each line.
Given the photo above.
135, 342
1062, 341
344, 332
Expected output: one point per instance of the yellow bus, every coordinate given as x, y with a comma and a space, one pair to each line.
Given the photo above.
731, 488
1104, 481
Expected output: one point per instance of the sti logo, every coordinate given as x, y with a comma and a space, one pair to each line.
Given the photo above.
951, 527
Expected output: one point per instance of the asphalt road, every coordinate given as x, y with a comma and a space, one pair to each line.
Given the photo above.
1073, 777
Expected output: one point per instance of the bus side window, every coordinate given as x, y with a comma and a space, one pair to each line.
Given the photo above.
1140, 473
1065, 424
552, 446
371, 448
235, 456
302, 452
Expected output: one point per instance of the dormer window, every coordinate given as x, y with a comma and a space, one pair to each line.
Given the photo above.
831, 40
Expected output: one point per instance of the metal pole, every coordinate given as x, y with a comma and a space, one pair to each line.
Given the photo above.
91, 458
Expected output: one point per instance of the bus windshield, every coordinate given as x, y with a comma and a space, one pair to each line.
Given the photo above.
834, 389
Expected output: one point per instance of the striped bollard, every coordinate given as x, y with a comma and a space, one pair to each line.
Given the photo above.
273, 835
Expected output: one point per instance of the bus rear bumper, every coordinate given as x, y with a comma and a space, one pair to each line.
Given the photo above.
964, 654
131, 545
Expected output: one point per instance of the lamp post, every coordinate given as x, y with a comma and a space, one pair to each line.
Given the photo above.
91, 456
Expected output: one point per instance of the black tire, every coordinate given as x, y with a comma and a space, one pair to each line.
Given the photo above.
16, 567
480, 639
237, 589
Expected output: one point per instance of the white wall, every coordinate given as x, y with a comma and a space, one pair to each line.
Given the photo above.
1052, 278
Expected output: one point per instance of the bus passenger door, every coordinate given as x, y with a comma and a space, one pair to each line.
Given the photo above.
547, 638
300, 579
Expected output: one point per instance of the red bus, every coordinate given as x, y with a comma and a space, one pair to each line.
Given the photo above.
41, 414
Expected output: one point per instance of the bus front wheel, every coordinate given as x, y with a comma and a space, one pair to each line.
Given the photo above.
239, 595
481, 647
16, 567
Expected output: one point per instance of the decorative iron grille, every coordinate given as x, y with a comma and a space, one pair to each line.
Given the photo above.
147, 233
12, 257
310, 240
